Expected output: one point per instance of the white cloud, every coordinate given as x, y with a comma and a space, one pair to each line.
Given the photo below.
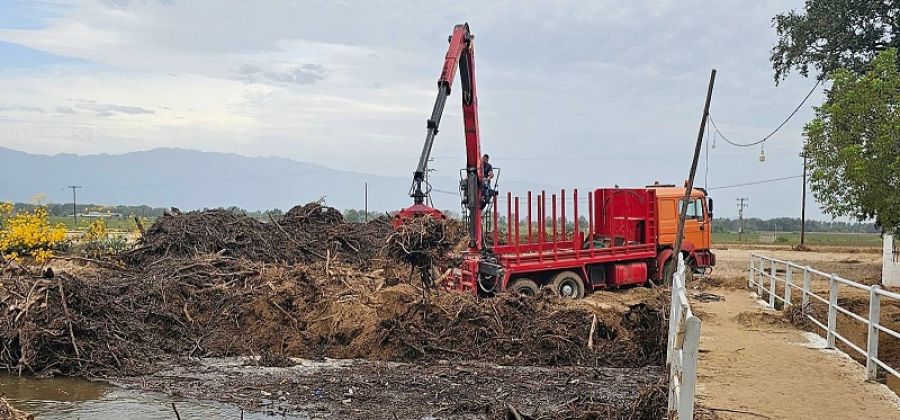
350, 84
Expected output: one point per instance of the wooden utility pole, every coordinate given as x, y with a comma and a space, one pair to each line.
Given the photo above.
741, 206
803, 206
689, 185
366, 199
74, 202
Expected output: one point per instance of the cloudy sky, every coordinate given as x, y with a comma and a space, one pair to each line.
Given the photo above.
571, 93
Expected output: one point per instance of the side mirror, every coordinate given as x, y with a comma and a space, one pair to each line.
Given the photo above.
709, 206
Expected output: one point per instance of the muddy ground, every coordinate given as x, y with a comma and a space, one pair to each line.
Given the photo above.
208, 286
385, 390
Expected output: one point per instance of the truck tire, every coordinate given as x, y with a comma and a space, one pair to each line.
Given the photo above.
669, 271
568, 284
523, 287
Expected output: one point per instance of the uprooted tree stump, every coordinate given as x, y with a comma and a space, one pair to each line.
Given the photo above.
425, 244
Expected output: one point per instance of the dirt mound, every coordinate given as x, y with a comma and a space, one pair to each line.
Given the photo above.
305, 234
759, 319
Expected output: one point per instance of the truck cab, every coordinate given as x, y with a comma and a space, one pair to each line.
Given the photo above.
697, 225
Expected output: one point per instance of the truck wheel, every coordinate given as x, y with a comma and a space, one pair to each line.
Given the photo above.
568, 284
669, 271
523, 287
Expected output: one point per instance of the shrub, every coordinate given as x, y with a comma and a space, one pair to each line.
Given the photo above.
98, 242
28, 235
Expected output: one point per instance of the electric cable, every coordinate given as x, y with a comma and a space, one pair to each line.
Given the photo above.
764, 181
794, 112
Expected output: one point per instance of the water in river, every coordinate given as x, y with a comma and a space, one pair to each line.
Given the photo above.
70, 399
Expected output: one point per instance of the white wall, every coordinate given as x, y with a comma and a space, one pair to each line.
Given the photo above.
890, 267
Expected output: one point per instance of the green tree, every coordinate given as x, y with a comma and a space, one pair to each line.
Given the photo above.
854, 144
833, 34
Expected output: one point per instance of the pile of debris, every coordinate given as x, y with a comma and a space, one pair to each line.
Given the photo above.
305, 234
305, 285
122, 322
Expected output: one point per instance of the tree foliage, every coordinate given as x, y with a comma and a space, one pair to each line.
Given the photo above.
791, 224
854, 144
832, 34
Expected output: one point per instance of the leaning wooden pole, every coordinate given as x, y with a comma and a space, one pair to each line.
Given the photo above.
689, 186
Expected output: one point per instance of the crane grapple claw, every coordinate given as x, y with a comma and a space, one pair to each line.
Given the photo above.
415, 211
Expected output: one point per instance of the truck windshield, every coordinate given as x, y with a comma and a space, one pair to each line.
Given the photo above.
694, 209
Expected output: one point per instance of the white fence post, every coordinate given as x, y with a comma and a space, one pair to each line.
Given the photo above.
691, 350
772, 285
682, 349
804, 300
872, 342
750, 273
674, 318
788, 284
761, 277
832, 311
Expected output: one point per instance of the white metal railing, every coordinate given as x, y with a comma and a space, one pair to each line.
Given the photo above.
758, 276
682, 348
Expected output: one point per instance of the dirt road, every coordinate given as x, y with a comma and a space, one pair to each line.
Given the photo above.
756, 365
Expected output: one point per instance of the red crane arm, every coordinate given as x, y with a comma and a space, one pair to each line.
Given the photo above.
460, 56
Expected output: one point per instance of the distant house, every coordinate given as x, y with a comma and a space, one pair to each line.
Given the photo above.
97, 214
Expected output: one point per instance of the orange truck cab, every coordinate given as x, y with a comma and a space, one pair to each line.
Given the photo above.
697, 226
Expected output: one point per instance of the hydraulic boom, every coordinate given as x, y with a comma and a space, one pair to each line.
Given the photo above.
461, 56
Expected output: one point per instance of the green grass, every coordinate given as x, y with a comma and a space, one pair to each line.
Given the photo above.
812, 238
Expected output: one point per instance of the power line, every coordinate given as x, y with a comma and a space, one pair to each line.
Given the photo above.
587, 158
794, 112
764, 181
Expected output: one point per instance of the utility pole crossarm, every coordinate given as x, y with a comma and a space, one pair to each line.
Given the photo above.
741, 205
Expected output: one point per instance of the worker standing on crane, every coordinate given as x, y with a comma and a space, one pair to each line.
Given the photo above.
488, 170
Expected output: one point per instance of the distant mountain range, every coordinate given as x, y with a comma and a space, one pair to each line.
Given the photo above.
191, 179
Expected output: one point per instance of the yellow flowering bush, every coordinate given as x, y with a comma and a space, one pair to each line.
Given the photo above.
29, 235
98, 242
95, 232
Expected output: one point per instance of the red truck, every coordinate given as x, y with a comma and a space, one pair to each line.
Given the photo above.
625, 238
